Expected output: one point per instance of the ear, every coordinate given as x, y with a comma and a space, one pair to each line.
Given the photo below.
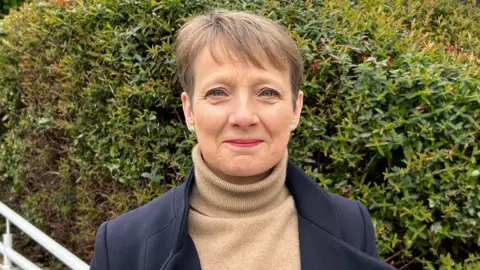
187, 111
298, 110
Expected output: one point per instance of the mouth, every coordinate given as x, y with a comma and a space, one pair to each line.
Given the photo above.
244, 142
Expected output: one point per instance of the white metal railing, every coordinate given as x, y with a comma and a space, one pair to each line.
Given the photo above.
11, 256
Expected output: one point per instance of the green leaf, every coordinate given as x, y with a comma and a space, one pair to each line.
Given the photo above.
43, 121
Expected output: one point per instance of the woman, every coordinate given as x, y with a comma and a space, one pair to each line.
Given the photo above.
243, 205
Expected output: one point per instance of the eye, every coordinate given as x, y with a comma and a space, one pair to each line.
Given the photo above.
216, 92
269, 93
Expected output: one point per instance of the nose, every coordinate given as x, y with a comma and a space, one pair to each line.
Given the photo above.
243, 112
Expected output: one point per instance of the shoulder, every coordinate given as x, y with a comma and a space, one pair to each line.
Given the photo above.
347, 220
154, 215
355, 224
121, 243
347, 209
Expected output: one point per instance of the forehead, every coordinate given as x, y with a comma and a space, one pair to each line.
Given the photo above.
221, 63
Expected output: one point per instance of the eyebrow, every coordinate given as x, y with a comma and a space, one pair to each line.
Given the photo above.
254, 81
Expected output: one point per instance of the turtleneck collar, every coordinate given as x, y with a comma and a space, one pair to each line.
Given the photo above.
215, 197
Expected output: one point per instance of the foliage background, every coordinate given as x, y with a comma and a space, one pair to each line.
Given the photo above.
91, 123
6, 5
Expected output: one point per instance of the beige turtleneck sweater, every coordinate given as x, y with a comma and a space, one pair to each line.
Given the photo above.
251, 226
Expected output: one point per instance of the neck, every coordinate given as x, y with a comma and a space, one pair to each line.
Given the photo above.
239, 180
213, 195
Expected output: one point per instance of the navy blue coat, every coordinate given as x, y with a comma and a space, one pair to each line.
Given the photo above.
334, 232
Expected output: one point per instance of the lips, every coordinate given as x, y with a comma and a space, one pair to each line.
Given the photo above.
244, 142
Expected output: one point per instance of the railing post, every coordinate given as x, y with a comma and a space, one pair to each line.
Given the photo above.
7, 241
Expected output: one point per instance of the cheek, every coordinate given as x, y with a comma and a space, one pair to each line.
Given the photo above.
278, 121
209, 121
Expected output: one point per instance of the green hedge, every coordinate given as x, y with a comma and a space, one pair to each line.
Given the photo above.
91, 122
6, 5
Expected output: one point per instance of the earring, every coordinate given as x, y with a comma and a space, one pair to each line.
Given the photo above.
192, 129
291, 128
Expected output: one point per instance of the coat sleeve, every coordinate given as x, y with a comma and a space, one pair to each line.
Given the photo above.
369, 242
100, 257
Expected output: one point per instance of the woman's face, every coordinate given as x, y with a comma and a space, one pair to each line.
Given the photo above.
242, 116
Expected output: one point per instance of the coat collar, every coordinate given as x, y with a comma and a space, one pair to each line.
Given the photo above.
319, 235
310, 200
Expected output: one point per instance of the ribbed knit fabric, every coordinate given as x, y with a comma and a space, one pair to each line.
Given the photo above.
251, 226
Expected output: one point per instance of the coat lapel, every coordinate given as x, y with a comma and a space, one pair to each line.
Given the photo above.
185, 258
316, 219
321, 246
320, 250
316, 251
184, 254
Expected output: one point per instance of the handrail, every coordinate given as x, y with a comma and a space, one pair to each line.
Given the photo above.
48, 243
18, 259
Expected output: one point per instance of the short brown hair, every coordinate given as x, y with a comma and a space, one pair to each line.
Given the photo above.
247, 35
